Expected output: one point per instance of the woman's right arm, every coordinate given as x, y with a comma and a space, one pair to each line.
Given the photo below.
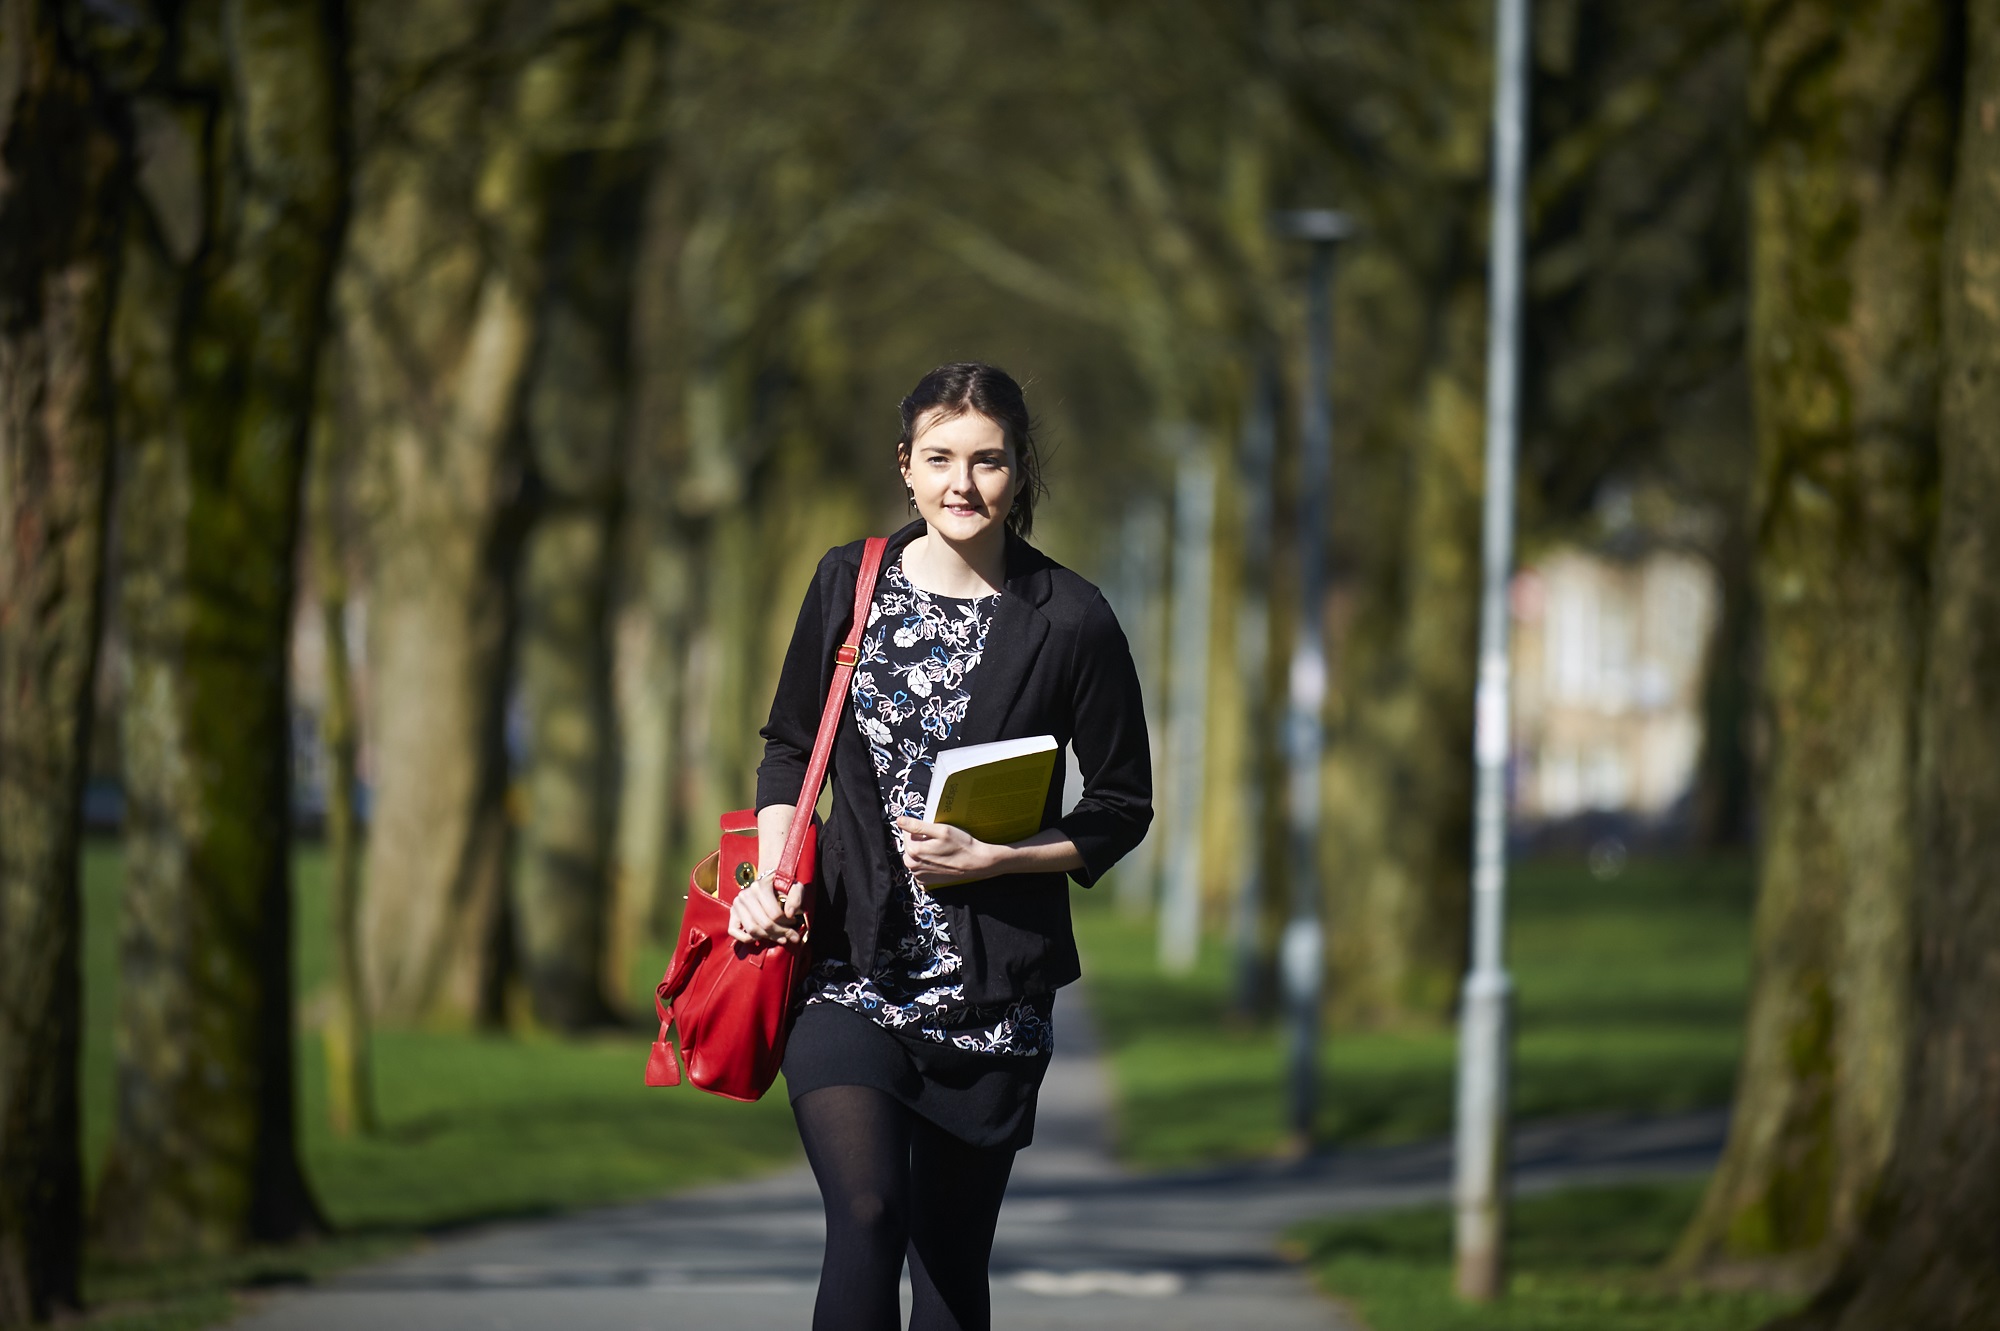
758, 915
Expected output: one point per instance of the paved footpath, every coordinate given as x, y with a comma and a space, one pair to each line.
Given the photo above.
1082, 1244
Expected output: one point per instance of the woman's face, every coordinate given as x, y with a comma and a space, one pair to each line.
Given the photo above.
963, 475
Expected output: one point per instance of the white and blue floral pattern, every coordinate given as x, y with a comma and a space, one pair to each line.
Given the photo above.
910, 693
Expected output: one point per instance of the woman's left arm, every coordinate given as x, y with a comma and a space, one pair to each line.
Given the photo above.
1112, 752
1111, 817
940, 853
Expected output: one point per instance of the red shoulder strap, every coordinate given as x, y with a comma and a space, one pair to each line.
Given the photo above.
829, 718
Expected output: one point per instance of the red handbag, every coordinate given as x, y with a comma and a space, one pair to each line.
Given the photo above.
731, 1002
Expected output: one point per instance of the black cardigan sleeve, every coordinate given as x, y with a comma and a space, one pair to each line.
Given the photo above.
1111, 747
795, 707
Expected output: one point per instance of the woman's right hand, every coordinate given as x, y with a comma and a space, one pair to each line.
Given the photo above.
757, 916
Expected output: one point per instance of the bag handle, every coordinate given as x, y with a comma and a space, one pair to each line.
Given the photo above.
844, 661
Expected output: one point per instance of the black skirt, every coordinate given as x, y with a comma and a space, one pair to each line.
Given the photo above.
981, 1099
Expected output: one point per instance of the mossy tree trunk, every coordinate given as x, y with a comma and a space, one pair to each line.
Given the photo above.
1725, 788
577, 427
1399, 812
1853, 132
219, 326
1409, 324
654, 620
1930, 1257
350, 1083
63, 146
462, 109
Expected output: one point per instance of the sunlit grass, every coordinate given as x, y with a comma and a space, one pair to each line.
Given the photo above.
474, 1127
1630, 999
1630, 995
1582, 1260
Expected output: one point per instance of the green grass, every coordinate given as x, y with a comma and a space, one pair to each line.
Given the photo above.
1629, 1000
475, 1127
1630, 997
1584, 1260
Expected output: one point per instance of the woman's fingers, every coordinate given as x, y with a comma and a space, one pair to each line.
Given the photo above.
918, 828
757, 917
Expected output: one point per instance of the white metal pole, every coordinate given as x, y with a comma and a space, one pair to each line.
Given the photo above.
1187, 727
1142, 552
1480, 1190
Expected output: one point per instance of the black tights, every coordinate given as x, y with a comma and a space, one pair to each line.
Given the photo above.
895, 1183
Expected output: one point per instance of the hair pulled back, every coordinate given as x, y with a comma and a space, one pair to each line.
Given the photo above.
950, 391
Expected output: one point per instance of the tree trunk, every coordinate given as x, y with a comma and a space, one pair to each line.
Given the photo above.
577, 425
654, 620
655, 632
61, 206
350, 1088
218, 338
1851, 115
1409, 369
1399, 806
563, 893
439, 300
1930, 1259
1725, 812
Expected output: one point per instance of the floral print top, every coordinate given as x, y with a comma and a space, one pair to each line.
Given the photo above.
911, 690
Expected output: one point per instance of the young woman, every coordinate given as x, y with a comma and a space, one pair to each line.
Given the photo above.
925, 1026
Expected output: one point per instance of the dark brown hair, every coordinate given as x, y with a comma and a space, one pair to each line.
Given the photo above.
950, 391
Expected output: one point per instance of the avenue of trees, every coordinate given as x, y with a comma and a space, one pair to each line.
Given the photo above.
535, 350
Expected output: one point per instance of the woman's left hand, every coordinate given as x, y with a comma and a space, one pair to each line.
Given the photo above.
940, 853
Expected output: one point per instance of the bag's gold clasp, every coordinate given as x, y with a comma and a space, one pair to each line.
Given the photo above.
847, 654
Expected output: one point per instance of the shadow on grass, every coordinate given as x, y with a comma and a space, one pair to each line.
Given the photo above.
476, 1129
1581, 1260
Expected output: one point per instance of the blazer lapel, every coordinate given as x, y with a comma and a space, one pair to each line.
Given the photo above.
1013, 641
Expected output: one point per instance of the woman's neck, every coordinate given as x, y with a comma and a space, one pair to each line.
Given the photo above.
945, 569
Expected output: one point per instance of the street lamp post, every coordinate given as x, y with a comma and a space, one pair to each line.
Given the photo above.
1480, 1188
1302, 949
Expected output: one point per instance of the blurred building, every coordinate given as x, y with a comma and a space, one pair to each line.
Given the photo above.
1608, 660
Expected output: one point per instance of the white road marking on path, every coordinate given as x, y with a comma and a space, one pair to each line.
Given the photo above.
1074, 1284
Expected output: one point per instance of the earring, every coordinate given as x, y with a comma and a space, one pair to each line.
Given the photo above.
911, 492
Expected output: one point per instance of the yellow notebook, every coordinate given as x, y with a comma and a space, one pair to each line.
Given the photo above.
994, 791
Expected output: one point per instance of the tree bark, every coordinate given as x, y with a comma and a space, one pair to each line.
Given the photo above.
64, 166
1930, 1259
243, 198
1399, 807
563, 896
1850, 107
1409, 315
350, 1084
654, 620
577, 428
439, 304
1725, 790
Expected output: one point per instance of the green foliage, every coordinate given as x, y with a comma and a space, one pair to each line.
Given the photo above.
1630, 1000
1582, 1261
474, 1128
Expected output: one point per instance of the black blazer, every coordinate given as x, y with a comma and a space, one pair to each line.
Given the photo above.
1055, 663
